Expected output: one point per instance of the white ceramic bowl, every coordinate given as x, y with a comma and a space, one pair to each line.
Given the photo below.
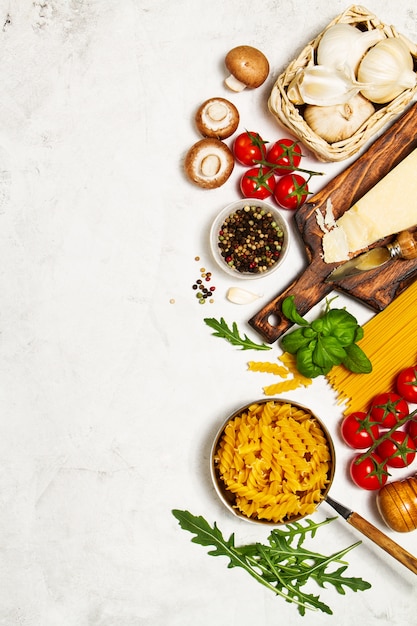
237, 266
227, 492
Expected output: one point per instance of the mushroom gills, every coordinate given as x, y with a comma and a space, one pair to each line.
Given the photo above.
210, 165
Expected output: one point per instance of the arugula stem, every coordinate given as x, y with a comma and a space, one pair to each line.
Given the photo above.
252, 571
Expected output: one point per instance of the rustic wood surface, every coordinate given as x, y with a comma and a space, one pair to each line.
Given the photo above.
376, 288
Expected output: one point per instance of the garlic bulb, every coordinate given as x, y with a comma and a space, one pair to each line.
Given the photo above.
387, 69
322, 85
241, 296
338, 122
343, 46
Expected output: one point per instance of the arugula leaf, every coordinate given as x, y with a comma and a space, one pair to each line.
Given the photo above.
232, 335
283, 565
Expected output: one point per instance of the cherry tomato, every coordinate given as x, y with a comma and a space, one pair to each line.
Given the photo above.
258, 182
286, 153
291, 191
399, 450
249, 148
406, 384
358, 431
388, 408
412, 430
370, 473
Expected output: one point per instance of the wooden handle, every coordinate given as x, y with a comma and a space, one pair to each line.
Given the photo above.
384, 542
307, 292
408, 244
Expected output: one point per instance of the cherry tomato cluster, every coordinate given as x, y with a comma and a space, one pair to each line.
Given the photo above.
272, 170
387, 432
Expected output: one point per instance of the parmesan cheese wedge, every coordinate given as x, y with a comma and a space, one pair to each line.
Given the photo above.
388, 208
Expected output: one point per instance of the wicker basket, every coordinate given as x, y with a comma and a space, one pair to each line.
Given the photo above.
291, 116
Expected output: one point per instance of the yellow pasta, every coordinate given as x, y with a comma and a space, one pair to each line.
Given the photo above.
390, 342
268, 368
288, 367
276, 459
282, 387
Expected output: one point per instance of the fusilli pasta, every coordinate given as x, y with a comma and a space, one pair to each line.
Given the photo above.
276, 460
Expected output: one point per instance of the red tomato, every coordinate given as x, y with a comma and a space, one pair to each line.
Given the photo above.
406, 384
249, 148
388, 408
412, 430
358, 431
398, 450
291, 191
370, 473
258, 182
286, 153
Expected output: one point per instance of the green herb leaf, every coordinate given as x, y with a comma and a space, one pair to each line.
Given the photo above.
290, 311
356, 360
305, 364
327, 341
295, 340
328, 352
342, 325
232, 335
283, 565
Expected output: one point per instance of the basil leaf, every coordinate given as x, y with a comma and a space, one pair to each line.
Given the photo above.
359, 333
341, 325
294, 340
328, 352
305, 364
356, 360
317, 325
290, 311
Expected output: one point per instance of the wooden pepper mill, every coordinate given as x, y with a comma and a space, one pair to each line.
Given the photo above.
397, 504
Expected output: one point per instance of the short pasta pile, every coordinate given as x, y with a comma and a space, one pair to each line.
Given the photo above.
274, 457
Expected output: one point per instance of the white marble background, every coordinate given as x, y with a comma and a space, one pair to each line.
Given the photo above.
109, 392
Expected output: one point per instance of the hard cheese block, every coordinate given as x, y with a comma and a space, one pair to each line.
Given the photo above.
387, 208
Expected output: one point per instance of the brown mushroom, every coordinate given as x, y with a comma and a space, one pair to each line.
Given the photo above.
209, 163
217, 117
248, 67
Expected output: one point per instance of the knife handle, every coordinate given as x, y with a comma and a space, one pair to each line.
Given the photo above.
406, 244
384, 542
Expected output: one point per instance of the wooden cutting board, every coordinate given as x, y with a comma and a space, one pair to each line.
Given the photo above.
376, 288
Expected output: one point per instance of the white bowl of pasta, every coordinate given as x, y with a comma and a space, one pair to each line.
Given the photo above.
272, 462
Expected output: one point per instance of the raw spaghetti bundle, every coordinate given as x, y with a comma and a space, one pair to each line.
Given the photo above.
390, 342
275, 458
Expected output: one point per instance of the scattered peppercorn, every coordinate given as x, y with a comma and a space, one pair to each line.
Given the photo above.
203, 293
250, 240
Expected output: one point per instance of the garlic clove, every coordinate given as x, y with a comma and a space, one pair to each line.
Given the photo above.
324, 86
388, 70
241, 296
343, 45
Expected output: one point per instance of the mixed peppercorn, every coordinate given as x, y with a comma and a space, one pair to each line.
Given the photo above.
250, 240
204, 292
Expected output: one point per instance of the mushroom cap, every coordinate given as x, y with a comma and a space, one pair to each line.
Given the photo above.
217, 117
209, 163
249, 65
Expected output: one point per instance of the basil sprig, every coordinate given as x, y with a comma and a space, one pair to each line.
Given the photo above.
329, 340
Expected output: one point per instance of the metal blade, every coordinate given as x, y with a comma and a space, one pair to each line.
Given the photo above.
340, 508
363, 263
